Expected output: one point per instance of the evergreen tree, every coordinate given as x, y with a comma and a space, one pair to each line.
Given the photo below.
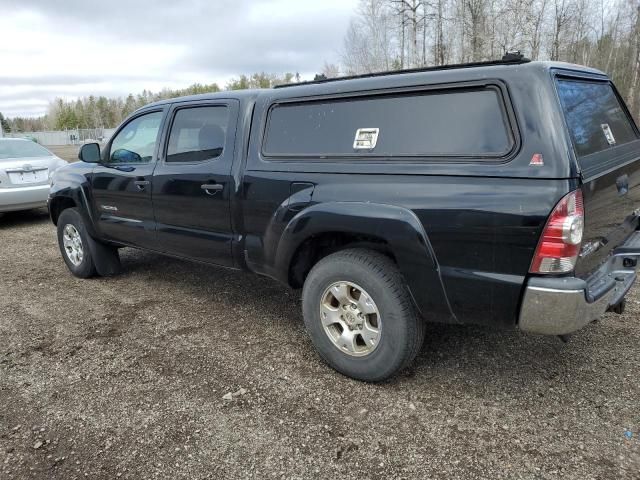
103, 112
4, 123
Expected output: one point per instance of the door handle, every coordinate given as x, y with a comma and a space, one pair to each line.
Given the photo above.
141, 184
211, 188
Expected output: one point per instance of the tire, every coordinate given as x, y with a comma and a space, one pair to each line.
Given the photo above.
372, 282
70, 223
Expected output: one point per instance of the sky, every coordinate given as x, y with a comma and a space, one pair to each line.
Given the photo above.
75, 48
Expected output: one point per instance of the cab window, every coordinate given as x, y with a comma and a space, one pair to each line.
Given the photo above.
136, 142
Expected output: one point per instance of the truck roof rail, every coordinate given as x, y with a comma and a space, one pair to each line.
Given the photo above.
509, 58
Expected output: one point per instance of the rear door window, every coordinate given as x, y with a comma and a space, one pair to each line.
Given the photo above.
452, 123
595, 116
198, 134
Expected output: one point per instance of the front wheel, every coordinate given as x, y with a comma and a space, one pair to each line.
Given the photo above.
73, 241
359, 315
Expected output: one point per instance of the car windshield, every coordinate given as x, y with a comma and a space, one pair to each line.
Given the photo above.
10, 149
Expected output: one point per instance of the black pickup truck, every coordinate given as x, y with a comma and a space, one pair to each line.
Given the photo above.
501, 193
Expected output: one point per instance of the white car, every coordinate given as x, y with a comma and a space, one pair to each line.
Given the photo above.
25, 170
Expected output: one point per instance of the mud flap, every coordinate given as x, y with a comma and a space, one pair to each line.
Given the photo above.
105, 258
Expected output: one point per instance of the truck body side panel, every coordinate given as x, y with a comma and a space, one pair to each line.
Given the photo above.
483, 241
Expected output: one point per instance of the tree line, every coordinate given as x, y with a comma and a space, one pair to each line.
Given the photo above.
396, 34
103, 112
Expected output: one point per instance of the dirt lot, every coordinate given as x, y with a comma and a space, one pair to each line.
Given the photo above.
66, 152
124, 378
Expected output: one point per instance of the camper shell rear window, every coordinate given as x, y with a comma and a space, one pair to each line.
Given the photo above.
597, 119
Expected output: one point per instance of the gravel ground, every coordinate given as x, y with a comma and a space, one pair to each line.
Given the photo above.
124, 378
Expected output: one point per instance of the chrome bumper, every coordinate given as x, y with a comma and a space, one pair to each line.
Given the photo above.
23, 198
558, 306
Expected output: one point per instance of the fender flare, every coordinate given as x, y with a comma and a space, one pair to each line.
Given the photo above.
399, 227
74, 186
79, 198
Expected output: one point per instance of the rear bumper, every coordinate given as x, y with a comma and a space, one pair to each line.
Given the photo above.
558, 306
23, 198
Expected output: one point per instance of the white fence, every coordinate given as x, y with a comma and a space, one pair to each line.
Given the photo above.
67, 137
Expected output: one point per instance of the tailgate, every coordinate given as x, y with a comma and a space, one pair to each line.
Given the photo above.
607, 148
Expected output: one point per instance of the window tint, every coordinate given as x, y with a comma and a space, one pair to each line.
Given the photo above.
136, 142
594, 115
465, 123
197, 134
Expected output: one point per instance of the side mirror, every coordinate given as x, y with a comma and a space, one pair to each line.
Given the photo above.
122, 155
90, 153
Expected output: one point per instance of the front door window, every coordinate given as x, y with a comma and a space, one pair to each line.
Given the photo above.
136, 142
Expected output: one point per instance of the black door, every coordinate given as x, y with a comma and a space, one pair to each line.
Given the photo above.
192, 182
122, 182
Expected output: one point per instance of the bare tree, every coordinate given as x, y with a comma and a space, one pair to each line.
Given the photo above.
536, 15
561, 17
632, 97
407, 33
412, 13
476, 24
330, 70
438, 46
369, 42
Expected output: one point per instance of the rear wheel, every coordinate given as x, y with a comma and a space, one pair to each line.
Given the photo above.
359, 315
73, 241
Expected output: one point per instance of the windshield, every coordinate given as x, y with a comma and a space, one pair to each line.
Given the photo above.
10, 149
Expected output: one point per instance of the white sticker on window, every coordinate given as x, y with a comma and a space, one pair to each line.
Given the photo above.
608, 133
366, 138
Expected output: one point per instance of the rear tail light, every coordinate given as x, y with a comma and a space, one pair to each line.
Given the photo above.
559, 244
